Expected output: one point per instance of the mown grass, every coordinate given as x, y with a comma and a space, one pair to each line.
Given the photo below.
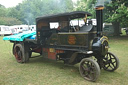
40, 71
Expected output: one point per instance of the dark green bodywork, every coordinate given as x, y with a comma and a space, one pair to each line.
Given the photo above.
71, 40
64, 39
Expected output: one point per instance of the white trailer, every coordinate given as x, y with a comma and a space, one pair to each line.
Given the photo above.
4, 30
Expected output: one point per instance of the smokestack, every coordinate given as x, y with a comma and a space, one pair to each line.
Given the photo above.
99, 18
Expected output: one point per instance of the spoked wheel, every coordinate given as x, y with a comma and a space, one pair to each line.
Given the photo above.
89, 69
111, 62
21, 53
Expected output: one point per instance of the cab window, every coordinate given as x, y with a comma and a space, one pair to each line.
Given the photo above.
54, 25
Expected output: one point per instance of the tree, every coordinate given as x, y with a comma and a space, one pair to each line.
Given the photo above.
117, 14
86, 5
8, 16
28, 10
9, 21
3, 11
13, 12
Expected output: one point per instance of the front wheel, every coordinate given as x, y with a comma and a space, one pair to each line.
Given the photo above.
110, 62
89, 69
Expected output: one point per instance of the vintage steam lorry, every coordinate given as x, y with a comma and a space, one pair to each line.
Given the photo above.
72, 44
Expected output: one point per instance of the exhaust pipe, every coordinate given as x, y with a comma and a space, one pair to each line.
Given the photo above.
99, 18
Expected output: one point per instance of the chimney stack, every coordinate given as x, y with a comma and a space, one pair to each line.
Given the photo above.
99, 18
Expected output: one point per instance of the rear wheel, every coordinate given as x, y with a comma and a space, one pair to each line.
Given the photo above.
21, 53
89, 69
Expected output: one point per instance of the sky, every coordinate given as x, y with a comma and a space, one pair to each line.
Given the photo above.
10, 3
13, 3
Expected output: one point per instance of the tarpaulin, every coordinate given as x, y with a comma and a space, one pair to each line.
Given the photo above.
20, 36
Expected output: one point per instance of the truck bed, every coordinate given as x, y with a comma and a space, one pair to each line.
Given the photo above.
21, 36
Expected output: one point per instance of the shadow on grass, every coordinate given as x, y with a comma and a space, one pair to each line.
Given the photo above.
105, 76
58, 64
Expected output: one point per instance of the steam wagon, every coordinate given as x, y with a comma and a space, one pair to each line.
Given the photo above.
57, 38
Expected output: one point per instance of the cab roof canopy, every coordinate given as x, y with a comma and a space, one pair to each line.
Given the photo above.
63, 16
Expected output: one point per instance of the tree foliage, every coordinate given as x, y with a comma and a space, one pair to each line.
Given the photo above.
6, 19
86, 5
28, 10
3, 11
116, 12
9, 21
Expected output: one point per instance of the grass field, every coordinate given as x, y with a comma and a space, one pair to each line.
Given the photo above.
40, 71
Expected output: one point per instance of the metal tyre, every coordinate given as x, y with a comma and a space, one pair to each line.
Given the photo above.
111, 62
89, 69
21, 53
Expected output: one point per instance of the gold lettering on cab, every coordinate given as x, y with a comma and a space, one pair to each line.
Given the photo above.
71, 39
